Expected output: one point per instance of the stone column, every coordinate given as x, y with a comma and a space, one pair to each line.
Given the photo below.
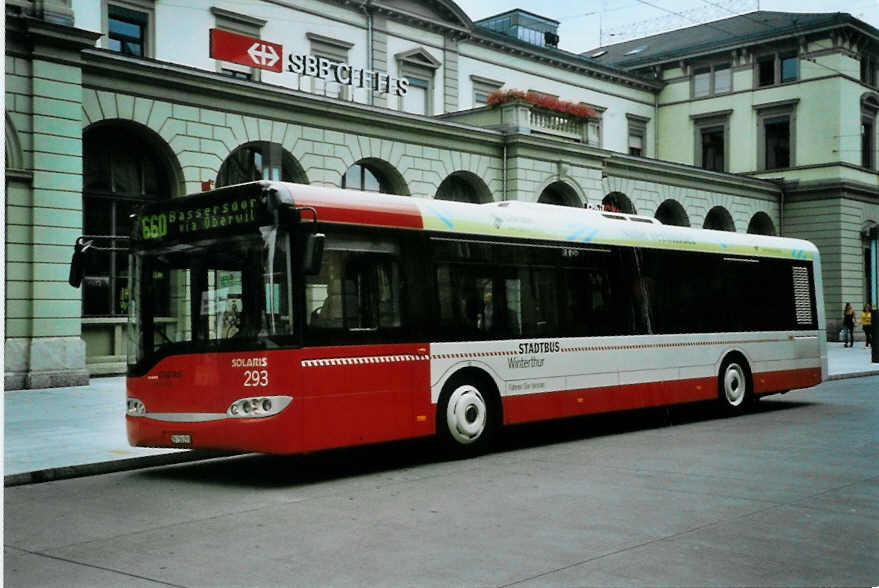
44, 321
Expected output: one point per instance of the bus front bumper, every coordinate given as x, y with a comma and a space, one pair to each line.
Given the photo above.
245, 431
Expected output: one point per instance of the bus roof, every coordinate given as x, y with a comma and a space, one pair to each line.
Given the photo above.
524, 220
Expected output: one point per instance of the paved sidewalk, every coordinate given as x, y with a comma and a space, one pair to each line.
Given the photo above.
67, 432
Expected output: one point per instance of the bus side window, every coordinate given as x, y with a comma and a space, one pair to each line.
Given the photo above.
371, 292
323, 293
532, 305
466, 300
589, 304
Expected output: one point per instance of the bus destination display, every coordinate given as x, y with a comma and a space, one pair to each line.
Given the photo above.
180, 219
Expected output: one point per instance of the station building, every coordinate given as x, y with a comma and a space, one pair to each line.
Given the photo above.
115, 103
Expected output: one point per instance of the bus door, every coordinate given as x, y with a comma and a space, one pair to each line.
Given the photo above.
360, 380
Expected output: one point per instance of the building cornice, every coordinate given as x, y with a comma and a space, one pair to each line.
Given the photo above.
33, 32
458, 30
787, 170
558, 58
825, 189
687, 175
109, 71
465, 30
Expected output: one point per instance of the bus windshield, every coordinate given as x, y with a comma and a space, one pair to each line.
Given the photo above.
212, 294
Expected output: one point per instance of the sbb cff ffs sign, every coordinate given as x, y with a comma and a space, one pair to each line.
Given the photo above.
246, 50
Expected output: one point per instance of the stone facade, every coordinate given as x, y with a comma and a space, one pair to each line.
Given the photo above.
59, 89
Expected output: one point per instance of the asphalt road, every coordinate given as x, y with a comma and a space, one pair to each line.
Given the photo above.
785, 496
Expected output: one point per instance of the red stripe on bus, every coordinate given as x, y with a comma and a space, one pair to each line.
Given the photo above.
537, 407
783, 380
349, 209
367, 402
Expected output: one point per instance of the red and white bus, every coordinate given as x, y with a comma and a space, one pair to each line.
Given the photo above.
282, 318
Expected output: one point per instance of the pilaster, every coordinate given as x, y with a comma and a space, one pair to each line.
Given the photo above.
43, 345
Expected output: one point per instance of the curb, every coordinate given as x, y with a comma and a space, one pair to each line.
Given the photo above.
108, 467
853, 375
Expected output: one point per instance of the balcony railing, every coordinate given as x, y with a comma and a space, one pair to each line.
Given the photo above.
557, 124
524, 118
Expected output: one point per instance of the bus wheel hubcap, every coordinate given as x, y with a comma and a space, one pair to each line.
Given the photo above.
466, 414
734, 384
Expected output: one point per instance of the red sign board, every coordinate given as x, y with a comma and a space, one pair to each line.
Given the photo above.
246, 50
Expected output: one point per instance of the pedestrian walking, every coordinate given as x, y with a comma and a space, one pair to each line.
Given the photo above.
867, 322
848, 325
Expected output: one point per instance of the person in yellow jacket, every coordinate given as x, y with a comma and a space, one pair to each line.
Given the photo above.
867, 320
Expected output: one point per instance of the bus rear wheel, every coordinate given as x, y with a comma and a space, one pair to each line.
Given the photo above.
734, 385
466, 418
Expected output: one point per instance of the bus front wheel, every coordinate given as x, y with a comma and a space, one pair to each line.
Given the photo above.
466, 416
734, 384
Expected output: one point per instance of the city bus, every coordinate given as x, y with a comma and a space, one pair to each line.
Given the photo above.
283, 318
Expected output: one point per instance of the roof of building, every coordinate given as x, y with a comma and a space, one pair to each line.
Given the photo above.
516, 11
737, 31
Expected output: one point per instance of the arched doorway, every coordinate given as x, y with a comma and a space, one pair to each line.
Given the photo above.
260, 160
124, 166
761, 224
719, 219
618, 202
374, 175
463, 187
671, 212
560, 194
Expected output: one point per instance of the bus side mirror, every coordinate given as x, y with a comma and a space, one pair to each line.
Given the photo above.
313, 253
77, 266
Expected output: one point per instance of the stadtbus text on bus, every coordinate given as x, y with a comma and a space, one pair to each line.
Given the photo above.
282, 318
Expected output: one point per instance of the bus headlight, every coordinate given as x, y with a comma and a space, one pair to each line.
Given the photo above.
135, 407
258, 406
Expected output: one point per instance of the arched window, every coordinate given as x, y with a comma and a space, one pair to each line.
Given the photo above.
260, 160
122, 168
374, 175
360, 177
618, 202
719, 219
560, 194
671, 212
761, 224
13, 153
463, 187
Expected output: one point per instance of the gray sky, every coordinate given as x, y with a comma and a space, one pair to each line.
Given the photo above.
585, 24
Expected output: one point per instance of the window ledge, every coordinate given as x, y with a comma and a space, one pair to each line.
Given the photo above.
104, 320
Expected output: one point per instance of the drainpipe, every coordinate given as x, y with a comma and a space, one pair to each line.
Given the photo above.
782, 192
656, 125
365, 7
781, 210
504, 172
